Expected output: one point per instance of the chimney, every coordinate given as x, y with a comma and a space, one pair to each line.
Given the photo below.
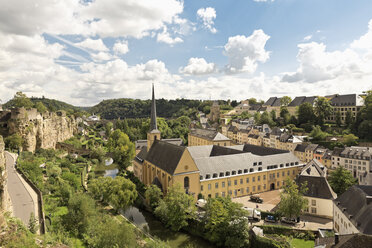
337, 238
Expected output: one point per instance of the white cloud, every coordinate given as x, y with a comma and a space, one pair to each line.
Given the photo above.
207, 15
244, 52
96, 45
364, 42
101, 56
308, 37
121, 47
106, 18
198, 66
166, 38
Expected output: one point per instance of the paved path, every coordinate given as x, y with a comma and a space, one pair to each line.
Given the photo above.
21, 194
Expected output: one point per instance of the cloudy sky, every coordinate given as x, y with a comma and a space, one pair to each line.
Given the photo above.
85, 51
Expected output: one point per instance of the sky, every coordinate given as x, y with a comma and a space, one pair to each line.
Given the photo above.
83, 52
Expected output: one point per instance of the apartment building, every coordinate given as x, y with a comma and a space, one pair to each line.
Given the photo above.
345, 103
199, 137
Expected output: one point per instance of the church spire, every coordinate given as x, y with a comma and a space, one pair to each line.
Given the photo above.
153, 125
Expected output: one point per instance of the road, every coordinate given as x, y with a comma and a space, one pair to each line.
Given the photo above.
23, 203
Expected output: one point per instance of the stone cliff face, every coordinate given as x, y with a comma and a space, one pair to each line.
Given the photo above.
41, 130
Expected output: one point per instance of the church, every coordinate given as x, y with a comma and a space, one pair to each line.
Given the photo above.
212, 170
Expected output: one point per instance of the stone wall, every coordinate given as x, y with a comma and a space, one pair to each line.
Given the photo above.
42, 130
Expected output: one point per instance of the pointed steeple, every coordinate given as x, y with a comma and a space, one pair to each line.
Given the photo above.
153, 124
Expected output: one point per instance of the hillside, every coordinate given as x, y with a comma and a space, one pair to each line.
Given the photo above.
135, 108
51, 104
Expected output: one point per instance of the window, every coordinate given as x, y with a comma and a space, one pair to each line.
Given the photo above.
259, 187
281, 165
209, 187
251, 170
201, 188
255, 163
207, 176
209, 195
223, 184
313, 210
293, 172
283, 174
227, 173
258, 178
274, 175
214, 175
278, 175
245, 170
287, 164
278, 183
313, 202
247, 190
235, 192
201, 177
242, 190
230, 192
241, 181
239, 171
259, 168
223, 194
229, 183
253, 179
264, 177
186, 182
254, 189
221, 174
264, 186
247, 180
235, 182
288, 172
233, 173
216, 195
259, 163
216, 185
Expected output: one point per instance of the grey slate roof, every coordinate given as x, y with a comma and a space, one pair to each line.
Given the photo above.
208, 134
300, 148
301, 99
357, 152
139, 144
313, 168
346, 100
356, 202
141, 156
164, 155
318, 187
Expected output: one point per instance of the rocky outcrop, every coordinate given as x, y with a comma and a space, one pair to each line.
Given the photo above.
41, 130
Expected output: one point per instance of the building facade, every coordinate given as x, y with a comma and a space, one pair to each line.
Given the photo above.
202, 137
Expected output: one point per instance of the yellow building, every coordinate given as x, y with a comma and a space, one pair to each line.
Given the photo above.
201, 137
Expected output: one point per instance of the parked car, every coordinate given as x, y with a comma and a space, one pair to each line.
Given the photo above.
291, 221
201, 203
270, 218
256, 198
253, 213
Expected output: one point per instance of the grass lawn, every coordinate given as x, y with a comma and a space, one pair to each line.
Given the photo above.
301, 243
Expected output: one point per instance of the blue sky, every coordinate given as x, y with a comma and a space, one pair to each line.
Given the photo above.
220, 49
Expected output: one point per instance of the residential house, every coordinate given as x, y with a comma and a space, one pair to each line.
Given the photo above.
200, 137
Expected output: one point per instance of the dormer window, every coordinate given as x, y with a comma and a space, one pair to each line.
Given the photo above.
239, 171
245, 170
281, 165
207, 176
233, 173
221, 174
227, 173
201, 177
251, 170
255, 163
259, 168
214, 175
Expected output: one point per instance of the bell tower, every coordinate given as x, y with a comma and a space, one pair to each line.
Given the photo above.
153, 134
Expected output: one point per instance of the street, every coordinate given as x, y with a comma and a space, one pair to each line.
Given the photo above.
22, 203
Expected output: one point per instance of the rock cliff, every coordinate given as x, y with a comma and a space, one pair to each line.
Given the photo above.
2, 172
41, 130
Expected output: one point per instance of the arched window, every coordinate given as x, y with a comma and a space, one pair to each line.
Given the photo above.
186, 182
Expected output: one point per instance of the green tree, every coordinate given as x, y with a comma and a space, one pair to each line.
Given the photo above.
225, 222
100, 188
257, 117
14, 141
153, 195
322, 110
108, 128
317, 134
338, 118
98, 153
234, 103
123, 193
292, 201
176, 208
32, 223
266, 119
252, 100
350, 140
41, 107
122, 149
273, 115
341, 179
349, 120
306, 113
285, 101
81, 208
21, 100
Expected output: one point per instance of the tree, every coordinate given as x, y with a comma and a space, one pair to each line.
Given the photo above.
225, 222
81, 208
273, 115
317, 134
14, 141
285, 115
32, 223
350, 140
266, 119
108, 128
234, 103
285, 101
176, 208
338, 118
252, 100
40, 107
349, 119
153, 195
123, 194
341, 179
292, 201
305, 113
21, 100
322, 110
122, 149
100, 188
257, 117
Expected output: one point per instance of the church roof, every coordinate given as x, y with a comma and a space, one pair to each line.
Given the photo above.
153, 124
164, 155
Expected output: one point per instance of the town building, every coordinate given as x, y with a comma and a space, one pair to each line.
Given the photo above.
200, 137
345, 103
357, 160
353, 211
274, 103
319, 193
214, 115
293, 106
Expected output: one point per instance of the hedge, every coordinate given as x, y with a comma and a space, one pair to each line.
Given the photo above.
287, 231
